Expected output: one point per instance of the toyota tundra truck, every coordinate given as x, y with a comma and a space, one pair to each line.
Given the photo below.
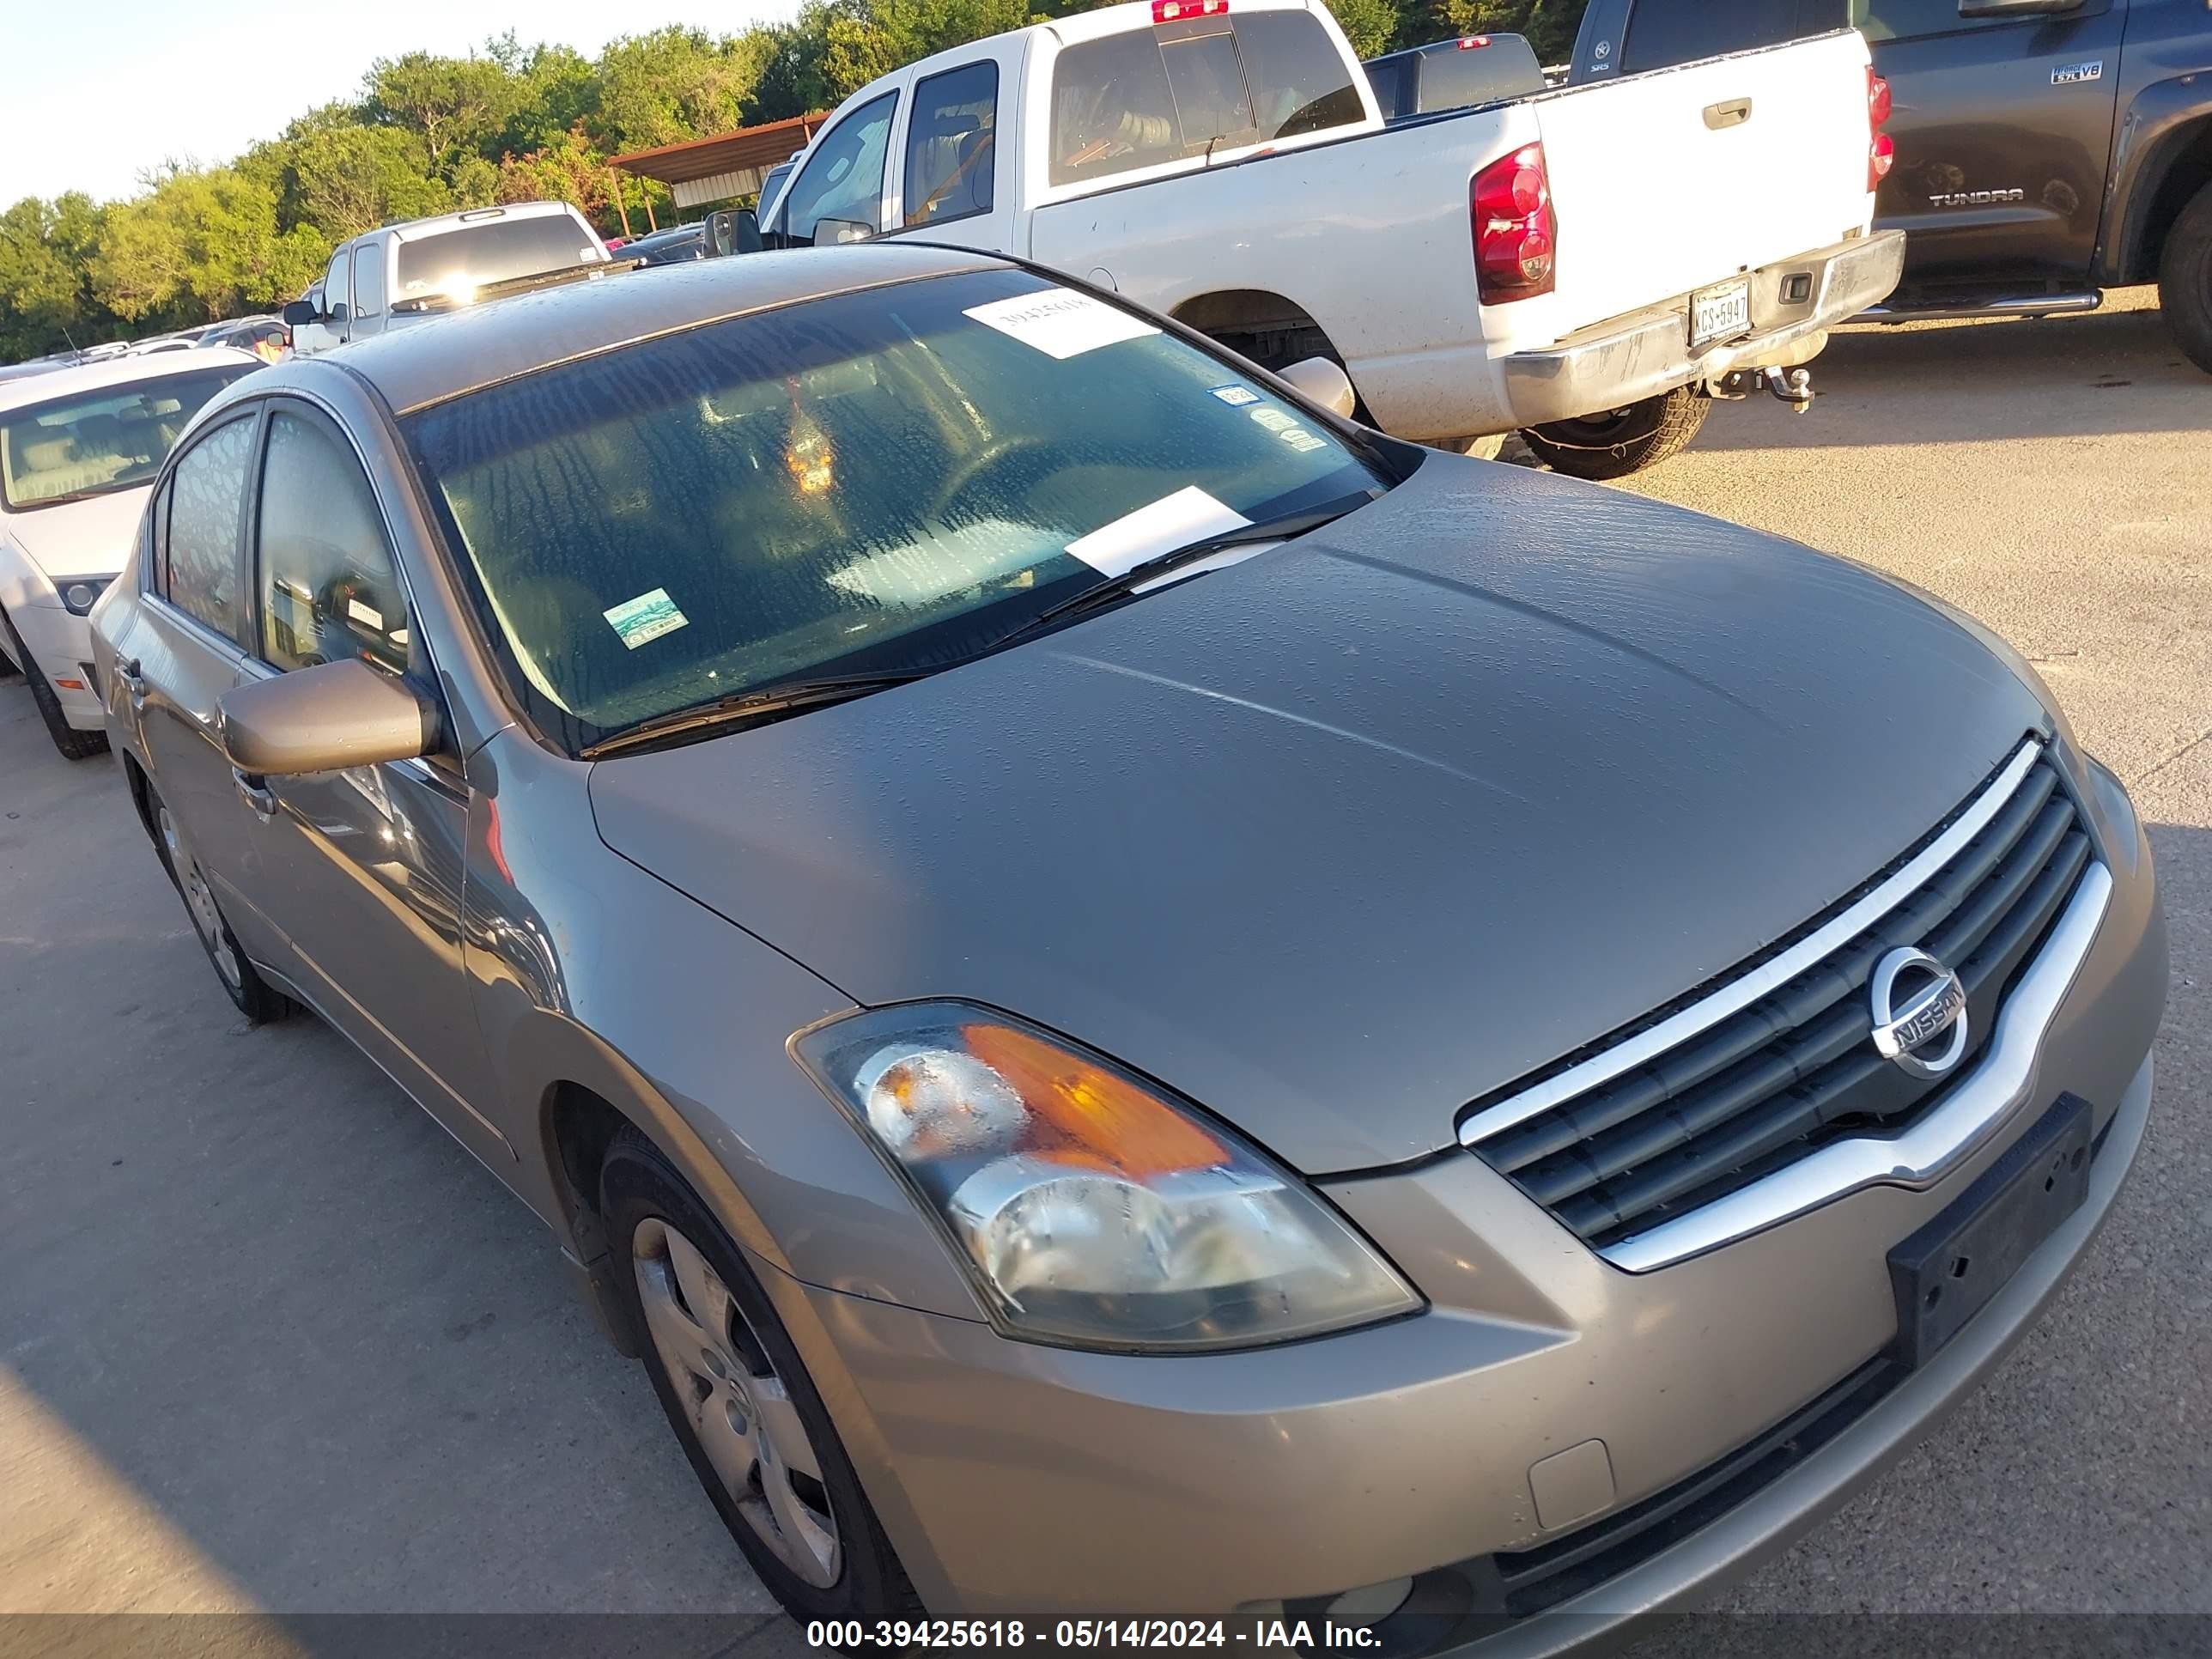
1586, 265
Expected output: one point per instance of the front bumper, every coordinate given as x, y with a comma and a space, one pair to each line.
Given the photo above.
1546, 1400
1626, 359
60, 644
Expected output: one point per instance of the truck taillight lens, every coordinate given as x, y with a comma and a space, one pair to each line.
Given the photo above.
1175, 11
1881, 150
1515, 233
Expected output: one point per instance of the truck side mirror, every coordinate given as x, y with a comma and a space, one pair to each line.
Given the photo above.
830, 233
299, 312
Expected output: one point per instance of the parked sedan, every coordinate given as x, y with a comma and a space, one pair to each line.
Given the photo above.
1134, 996
78, 451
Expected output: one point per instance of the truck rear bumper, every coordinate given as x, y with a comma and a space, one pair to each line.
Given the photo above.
1626, 359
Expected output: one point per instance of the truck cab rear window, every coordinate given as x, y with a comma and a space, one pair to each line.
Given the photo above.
1140, 99
1662, 35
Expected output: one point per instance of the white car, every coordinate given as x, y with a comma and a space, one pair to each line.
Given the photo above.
1587, 264
78, 451
399, 274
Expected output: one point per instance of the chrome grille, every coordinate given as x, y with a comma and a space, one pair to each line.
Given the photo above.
1779, 1061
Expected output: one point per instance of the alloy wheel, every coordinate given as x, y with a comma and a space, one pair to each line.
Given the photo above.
736, 1403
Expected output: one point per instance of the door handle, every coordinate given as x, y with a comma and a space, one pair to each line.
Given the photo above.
1729, 112
253, 789
134, 681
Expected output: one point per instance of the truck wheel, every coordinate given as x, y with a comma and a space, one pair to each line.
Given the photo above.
1621, 442
2184, 280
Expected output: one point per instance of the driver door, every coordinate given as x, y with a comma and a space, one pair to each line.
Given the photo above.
360, 870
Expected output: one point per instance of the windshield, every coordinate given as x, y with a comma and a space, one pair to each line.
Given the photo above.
496, 251
872, 483
101, 441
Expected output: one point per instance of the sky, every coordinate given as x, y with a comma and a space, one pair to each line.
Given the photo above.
101, 91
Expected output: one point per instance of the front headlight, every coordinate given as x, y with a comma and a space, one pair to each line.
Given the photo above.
80, 593
1089, 1208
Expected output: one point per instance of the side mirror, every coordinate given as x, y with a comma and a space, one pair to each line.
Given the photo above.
832, 233
299, 312
1323, 382
2014, 7
745, 231
324, 720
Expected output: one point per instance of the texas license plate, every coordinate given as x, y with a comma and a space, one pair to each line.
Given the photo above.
1946, 1272
1718, 312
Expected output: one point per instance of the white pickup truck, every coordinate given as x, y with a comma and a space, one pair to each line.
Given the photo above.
1587, 264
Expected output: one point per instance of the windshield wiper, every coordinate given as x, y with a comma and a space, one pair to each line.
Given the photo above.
1281, 527
772, 699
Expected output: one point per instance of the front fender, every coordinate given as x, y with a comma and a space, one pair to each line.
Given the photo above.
587, 970
2162, 121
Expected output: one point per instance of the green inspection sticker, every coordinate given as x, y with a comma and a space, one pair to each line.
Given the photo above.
645, 617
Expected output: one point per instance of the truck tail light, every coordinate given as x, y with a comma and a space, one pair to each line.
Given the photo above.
1515, 232
1881, 150
1175, 11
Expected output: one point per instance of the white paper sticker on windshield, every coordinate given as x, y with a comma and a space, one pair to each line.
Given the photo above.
1059, 322
1299, 439
1171, 522
1275, 420
1236, 397
645, 617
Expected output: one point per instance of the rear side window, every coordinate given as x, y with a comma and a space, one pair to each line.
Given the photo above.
1153, 96
324, 568
1664, 33
207, 508
1453, 76
950, 152
368, 280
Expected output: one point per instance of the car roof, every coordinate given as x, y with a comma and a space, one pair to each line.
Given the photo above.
118, 371
481, 345
410, 229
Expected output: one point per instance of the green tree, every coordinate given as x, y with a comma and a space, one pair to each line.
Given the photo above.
1371, 25
46, 301
203, 244
460, 106
346, 180
675, 84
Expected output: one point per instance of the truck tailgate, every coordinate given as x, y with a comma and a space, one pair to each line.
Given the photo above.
1662, 187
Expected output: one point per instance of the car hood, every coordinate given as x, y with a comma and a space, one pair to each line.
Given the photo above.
1339, 838
90, 537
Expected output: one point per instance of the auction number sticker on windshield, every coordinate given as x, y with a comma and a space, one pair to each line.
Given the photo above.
1236, 396
645, 617
1059, 322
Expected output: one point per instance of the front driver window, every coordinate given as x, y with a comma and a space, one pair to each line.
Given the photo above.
323, 568
843, 180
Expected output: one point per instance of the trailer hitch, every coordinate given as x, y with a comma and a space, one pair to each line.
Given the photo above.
1793, 386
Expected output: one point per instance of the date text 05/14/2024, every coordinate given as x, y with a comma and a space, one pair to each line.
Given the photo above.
894, 1634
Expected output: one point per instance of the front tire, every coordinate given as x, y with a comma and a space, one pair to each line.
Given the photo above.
1615, 443
2184, 280
740, 1400
73, 743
